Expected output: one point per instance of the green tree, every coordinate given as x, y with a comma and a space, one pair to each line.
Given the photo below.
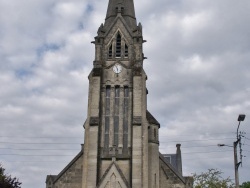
211, 179
245, 185
6, 181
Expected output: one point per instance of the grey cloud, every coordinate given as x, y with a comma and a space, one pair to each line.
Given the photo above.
197, 67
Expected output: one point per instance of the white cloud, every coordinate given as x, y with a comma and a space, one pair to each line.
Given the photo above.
198, 70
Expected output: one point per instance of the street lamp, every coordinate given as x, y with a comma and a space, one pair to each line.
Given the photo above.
241, 117
236, 163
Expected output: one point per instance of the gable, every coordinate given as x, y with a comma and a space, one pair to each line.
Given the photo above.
113, 177
119, 25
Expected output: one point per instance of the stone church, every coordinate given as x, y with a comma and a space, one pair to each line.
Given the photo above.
121, 142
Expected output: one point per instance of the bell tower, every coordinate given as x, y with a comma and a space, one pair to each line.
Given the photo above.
121, 142
116, 130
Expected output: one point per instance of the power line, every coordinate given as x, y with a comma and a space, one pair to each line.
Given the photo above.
36, 161
33, 155
58, 143
40, 137
40, 149
34, 143
192, 146
206, 152
197, 152
196, 140
224, 133
193, 158
82, 136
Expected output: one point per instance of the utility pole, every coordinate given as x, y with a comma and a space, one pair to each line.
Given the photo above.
235, 144
236, 163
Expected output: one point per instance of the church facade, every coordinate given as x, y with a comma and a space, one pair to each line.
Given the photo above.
121, 143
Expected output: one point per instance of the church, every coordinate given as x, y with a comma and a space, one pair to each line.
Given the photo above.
121, 142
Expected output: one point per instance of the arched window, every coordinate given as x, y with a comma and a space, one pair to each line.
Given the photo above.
118, 45
107, 117
110, 51
118, 49
126, 116
116, 117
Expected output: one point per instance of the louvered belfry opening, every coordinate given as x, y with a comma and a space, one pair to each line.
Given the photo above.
118, 46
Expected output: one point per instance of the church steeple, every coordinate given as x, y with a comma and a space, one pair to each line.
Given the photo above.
121, 142
123, 7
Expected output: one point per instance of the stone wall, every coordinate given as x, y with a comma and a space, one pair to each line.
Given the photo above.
72, 177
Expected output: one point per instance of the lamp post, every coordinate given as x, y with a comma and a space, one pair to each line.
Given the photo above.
235, 144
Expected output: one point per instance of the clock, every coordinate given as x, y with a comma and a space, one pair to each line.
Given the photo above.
117, 68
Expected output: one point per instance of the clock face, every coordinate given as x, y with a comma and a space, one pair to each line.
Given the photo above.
117, 68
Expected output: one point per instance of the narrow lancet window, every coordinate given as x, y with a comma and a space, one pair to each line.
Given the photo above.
126, 51
125, 119
107, 117
116, 117
110, 51
118, 45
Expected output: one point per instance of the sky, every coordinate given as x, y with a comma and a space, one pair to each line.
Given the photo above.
198, 81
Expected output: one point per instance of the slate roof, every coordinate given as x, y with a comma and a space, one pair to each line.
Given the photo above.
151, 118
171, 158
172, 168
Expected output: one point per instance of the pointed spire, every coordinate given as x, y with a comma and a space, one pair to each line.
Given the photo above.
125, 8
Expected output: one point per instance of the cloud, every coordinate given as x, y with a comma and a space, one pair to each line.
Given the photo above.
198, 80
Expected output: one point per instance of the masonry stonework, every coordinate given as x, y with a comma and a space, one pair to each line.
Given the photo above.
121, 142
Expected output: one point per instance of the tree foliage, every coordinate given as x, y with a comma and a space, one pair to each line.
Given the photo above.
212, 179
6, 181
245, 185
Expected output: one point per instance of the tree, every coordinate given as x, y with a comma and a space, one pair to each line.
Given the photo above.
211, 179
245, 185
6, 181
